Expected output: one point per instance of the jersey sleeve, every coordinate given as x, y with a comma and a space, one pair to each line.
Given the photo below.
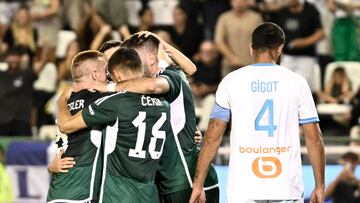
222, 95
174, 80
307, 110
101, 112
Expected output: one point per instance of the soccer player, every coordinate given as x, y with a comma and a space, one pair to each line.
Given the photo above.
176, 171
137, 127
61, 164
266, 104
82, 146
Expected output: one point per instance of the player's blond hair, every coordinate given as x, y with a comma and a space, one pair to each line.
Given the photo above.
77, 70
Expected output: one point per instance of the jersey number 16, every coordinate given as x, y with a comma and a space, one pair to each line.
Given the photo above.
138, 122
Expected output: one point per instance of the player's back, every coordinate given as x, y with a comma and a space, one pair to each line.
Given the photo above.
183, 123
85, 150
134, 142
267, 103
143, 124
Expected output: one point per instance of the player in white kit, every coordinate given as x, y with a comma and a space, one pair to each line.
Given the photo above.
266, 103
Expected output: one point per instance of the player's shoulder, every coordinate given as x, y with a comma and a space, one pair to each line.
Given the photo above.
240, 73
172, 69
111, 97
86, 94
172, 73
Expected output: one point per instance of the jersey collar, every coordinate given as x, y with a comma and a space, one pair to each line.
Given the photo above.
263, 64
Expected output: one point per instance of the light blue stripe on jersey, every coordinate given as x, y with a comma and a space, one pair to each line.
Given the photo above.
308, 120
221, 113
264, 64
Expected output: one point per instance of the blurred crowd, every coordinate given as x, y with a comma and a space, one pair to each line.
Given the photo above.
214, 34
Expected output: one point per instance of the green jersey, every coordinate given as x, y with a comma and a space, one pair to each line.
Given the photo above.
82, 182
137, 127
183, 123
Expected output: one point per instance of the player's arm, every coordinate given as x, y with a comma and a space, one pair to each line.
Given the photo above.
216, 128
179, 58
157, 85
315, 147
65, 121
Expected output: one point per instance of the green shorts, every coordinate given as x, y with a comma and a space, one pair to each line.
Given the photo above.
126, 190
212, 196
74, 185
278, 201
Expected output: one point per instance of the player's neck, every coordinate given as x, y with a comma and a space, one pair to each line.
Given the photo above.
81, 85
268, 56
130, 75
264, 59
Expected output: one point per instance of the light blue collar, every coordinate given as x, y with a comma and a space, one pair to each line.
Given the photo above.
264, 64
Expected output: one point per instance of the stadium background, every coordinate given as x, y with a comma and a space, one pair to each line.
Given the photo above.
27, 156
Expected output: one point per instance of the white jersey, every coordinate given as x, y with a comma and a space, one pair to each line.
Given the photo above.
267, 104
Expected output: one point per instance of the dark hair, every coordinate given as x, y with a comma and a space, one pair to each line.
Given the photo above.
143, 10
109, 44
350, 156
23, 6
340, 70
80, 58
267, 36
125, 59
137, 41
181, 7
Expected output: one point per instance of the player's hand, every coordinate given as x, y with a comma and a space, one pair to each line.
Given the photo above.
143, 34
317, 196
61, 165
147, 34
198, 137
197, 196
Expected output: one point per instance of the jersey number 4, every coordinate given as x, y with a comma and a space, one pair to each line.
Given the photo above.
138, 122
270, 127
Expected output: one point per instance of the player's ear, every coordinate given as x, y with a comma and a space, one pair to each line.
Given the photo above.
152, 60
251, 50
280, 49
94, 75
